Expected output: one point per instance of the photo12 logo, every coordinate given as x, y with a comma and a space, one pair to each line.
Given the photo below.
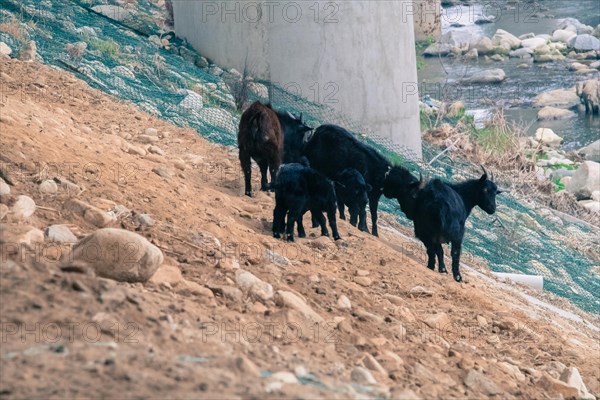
269, 11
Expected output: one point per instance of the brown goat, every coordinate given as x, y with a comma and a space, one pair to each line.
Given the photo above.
260, 137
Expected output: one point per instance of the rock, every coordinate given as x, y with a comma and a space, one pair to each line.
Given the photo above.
143, 220
497, 58
596, 195
586, 180
572, 377
596, 32
554, 386
512, 370
3, 211
472, 54
460, 39
421, 291
117, 254
372, 364
48, 187
573, 25
90, 213
533, 42
483, 46
13, 236
437, 321
591, 205
591, 152
60, 234
506, 40
28, 52
23, 208
552, 113
523, 65
343, 303
363, 280
521, 53
362, 376
584, 43
437, 49
561, 35
399, 301
548, 137
495, 75
230, 292
589, 93
167, 273
214, 70
156, 150
147, 139
162, 172
253, 285
113, 12
289, 299
577, 66
136, 150
4, 188
5, 51
565, 180
557, 98
478, 382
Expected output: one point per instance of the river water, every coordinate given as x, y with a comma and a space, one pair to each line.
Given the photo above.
441, 77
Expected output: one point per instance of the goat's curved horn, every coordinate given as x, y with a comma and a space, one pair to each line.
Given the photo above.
300, 118
291, 115
484, 171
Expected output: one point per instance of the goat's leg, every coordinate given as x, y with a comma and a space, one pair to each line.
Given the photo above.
246, 164
341, 208
264, 167
373, 204
362, 221
455, 252
439, 250
322, 222
314, 220
333, 224
301, 232
294, 214
430, 255
278, 220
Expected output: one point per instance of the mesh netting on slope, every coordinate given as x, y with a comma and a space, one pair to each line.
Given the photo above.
128, 59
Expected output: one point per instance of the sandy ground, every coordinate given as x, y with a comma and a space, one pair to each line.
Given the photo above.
198, 333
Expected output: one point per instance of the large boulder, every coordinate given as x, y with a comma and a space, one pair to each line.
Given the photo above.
505, 40
557, 98
548, 137
573, 25
533, 42
483, 46
495, 75
591, 152
561, 35
437, 49
584, 42
524, 52
460, 39
589, 93
549, 113
586, 180
117, 254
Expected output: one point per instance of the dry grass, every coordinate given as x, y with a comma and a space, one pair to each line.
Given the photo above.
14, 29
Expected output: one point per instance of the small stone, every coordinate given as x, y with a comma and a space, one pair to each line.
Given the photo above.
48, 187
371, 363
23, 208
481, 321
255, 286
144, 220
180, 164
421, 291
437, 321
5, 50
136, 150
399, 301
147, 139
162, 172
362, 376
478, 382
156, 150
189, 288
343, 303
4, 188
554, 386
3, 211
167, 274
289, 299
363, 280
151, 132
60, 234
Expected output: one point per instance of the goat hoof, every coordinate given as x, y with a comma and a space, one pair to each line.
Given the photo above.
249, 194
276, 235
290, 238
431, 267
302, 235
458, 278
442, 270
336, 237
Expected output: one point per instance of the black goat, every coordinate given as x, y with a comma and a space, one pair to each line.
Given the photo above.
353, 192
298, 189
294, 133
333, 149
439, 211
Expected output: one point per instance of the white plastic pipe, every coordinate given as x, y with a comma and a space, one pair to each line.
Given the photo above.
535, 281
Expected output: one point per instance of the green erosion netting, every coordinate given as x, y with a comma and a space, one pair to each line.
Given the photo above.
133, 59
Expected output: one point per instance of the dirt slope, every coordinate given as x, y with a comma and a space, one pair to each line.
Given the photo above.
201, 334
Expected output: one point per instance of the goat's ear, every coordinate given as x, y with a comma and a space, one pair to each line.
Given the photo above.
300, 117
483, 178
